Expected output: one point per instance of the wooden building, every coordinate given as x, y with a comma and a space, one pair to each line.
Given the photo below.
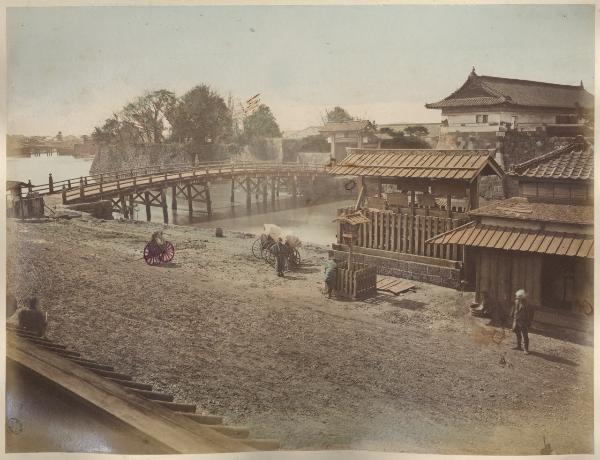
351, 134
409, 196
542, 242
494, 104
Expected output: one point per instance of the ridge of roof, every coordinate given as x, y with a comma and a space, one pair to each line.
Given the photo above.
530, 82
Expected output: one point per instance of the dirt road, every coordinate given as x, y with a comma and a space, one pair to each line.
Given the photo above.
412, 373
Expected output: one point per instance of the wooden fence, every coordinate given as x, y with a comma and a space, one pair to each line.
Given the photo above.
406, 233
360, 282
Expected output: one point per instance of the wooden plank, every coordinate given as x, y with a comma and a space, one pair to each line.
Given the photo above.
585, 247
176, 432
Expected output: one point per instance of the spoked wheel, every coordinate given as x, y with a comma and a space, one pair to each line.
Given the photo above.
269, 256
294, 258
257, 248
168, 253
152, 254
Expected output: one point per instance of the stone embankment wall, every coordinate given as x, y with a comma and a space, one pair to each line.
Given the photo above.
122, 157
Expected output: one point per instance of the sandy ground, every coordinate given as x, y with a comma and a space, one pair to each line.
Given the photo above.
412, 373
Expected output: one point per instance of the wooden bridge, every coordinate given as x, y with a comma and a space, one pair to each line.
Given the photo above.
148, 185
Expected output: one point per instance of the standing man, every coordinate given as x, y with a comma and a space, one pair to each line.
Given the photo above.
522, 317
280, 252
330, 274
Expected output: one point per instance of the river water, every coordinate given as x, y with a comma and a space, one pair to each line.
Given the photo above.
312, 222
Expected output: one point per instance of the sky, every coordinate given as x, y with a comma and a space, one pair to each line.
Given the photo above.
70, 68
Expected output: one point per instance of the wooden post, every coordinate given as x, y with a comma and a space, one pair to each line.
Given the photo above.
68, 184
147, 203
29, 186
131, 206
248, 193
277, 186
64, 196
273, 180
265, 192
294, 180
50, 183
208, 201
232, 197
449, 205
163, 202
379, 187
123, 205
174, 198
412, 202
81, 190
189, 197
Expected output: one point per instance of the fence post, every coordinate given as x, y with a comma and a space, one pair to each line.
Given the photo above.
81, 190
50, 183
64, 196
29, 186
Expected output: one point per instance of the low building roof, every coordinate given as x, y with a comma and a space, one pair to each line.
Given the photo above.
521, 209
355, 125
515, 239
488, 91
572, 162
418, 163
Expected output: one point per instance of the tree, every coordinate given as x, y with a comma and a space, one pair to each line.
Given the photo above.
401, 141
152, 114
337, 115
202, 117
260, 124
416, 131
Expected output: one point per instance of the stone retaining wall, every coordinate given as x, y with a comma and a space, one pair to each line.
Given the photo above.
406, 269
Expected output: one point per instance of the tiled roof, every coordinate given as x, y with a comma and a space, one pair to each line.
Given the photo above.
417, 163
356, 218
521, 209
514, 239
357, 125
486, 90
574, 161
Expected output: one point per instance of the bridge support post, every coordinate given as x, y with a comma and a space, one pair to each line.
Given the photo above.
147, 203
248, 193
163, 202
131, 206
274, 180
232, 197
208, 201
174, 198
294, 184
50, 183
123, 206
265, 192
189, 197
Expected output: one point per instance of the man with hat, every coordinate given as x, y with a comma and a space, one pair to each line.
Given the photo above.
522, 316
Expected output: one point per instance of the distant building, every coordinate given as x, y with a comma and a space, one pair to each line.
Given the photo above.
492, 104
355, 134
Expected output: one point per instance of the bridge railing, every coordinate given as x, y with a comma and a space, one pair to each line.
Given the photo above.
215, 167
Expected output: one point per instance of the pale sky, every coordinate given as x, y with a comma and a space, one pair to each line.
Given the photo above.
69, 68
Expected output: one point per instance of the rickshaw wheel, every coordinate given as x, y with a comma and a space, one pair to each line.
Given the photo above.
168, 253
152, 254
295, 258
257, 247
269, 256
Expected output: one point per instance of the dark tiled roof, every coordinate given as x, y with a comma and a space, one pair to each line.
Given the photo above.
574, 161
521, 209
517, 239
417, 163
486, 90
357, 125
